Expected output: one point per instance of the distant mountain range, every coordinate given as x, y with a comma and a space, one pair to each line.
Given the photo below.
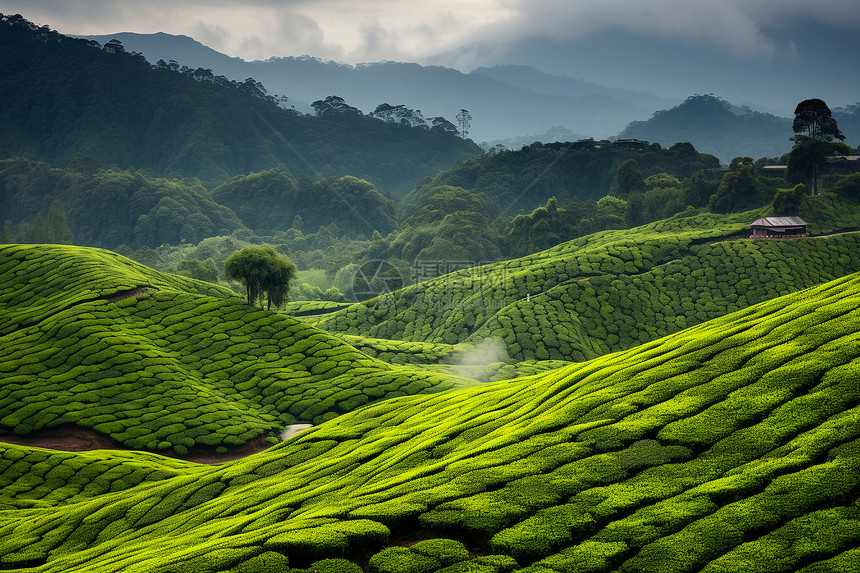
505, 101
714, 126
511, 105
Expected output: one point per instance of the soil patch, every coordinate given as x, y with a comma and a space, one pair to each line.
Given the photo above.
70, 438
122, 295
65, 438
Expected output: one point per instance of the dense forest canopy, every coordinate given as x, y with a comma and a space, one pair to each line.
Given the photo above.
64, 96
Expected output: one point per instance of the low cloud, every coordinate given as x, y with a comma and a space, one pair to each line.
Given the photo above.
400, 29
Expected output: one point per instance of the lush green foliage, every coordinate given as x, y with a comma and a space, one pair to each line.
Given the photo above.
520, 180
262, 270
157, 361
109, 207
272, 201
731, 446
611, 290
188, 122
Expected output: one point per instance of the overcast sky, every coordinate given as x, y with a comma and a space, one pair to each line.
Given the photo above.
406, 30
766, 53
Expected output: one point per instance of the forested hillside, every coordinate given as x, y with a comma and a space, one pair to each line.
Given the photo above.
714, 126
506, 101
63, 96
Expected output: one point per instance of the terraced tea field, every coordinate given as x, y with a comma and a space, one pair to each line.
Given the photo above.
733, 445
159, 362
602, 293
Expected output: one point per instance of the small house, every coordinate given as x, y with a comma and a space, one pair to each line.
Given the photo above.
778, 228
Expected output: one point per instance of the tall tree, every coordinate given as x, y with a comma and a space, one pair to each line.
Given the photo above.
814, 119
740, 189
814, 128
263, 271
464, 120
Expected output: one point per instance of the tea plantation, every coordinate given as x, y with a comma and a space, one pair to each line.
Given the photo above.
733, 445
160, 362
604, 292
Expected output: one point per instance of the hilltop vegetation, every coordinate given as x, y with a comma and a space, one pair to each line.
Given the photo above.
270, 201
732, 446
714, 126
161, 362
526, 178
109, 207
188, 122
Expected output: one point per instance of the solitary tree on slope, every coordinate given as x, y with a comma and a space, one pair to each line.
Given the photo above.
263, 271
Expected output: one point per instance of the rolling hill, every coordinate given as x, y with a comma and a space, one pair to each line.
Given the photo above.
161, 362
729, 446
611, 290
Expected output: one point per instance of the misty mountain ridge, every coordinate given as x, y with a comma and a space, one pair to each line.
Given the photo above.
505, 101
806, 59
64, 96
511, 105
716, 126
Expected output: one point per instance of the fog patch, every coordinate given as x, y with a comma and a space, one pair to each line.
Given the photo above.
480, 360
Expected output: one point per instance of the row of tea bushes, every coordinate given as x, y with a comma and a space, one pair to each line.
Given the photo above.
589, 317
731, 446
605, 292
170, 369
400, 351
35, 477
40, 280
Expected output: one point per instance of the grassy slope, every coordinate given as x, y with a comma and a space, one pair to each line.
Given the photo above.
186, 364
605, 292
730, 446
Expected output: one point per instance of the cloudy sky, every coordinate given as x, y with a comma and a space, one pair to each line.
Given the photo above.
791, 37
373, 30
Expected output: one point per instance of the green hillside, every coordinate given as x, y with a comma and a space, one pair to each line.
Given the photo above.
157, 361
65, 95
610, 290
730, 446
